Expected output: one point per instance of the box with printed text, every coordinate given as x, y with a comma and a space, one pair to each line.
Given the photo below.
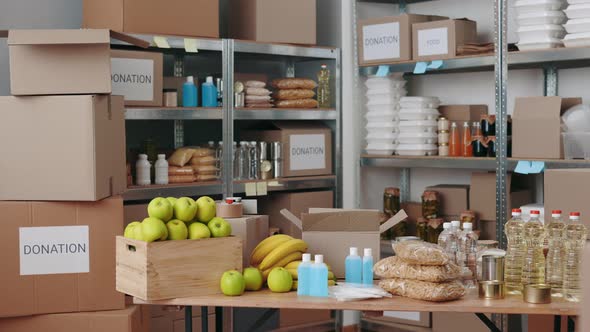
439, 40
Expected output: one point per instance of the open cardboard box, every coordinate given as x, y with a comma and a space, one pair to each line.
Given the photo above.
331, 232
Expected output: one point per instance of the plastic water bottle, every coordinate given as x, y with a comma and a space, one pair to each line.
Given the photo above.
324, 87
319, 277
555, 230
353, 267
161, 170
368, 267
575, 239
209, 93
533, 267
514, 230
243, 161
454, 242
190, 95
468, 254
445, 237
254, 161
142, 171
304, 275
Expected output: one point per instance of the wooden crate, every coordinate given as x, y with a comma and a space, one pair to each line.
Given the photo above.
171, 269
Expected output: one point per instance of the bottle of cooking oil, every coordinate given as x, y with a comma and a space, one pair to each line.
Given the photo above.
514, 230
555, 230
575, 238
324, 87
533, 267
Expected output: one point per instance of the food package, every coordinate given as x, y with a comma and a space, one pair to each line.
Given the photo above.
202, 178
257, 92
299, 103
259, 105
176, 170
395, 267
424, 290
181, 178
422, 253
205, 170
294, 83
255, 84
250, 98
202, 152
181, 156
291, 94
204, 161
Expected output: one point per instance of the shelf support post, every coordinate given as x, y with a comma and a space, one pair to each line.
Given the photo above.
227, 174
405, 174
551, 80
403, 6
178, 124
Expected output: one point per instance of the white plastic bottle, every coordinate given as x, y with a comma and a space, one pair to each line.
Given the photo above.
367, 267
319, 277
142, 171
161, 170
304, 275
353, 267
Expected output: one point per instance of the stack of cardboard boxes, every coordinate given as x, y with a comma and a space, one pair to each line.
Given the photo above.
63, 136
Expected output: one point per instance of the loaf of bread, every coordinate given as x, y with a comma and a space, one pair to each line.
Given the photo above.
205, 170
299, 103
204, 161
294, 83
181, 156
291, 94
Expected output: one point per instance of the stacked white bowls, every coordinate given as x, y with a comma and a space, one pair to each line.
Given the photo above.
383, 95
578, 24
539, 24
417, 126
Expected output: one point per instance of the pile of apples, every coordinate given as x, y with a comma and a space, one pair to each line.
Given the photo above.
181, 218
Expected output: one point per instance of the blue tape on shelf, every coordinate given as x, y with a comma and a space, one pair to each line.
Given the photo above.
420, 67
523, 167
435, 64
537, 167
382, 71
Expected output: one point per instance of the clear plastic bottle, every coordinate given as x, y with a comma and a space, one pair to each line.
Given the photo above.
468, 254
254, 161
367, 274
446, 237
514, 230
454, 242
319, 277
304, 275
555, 230
243, 161
236, 163
143, 171
161, 170
324, 87
575, 239
353, 267
533, 267
219, 157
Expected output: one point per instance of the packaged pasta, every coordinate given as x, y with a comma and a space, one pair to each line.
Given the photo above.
205, 170
202, 152
255, 84
203, 178
395, 267
257, 92
181, 156
294, 83
204, 161
299, 103
181, 178
291, 94
424, 290
176, 170
419, 252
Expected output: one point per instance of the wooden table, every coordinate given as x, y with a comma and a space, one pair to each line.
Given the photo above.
468, 304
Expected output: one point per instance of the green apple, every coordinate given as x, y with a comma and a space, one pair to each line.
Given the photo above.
232, 283
197, 230
219, 227
153, 229
279, 280
138, 232
129, 229
164, 232
177, 230
185, 209
172, 200
253, 278
206, 209
160, 208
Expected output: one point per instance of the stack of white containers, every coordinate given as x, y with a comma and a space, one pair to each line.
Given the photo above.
578, 25
417, 126
383, 96
539, 24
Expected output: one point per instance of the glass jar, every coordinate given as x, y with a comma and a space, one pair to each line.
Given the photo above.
433, 229
443, 124
430, 204
421, 224
443, 149
443, 136
391, 206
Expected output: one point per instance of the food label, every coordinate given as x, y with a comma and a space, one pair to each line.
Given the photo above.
307, 152
54, 250
133, 78
381, 41
433, 42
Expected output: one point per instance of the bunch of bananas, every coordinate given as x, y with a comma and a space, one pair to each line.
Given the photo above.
277, 251
293, 266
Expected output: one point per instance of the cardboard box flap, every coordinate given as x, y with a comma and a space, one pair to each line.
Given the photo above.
68, 36
542, 107
347, 221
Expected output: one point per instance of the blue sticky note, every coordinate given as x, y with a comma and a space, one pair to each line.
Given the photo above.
523, 167
536, 167
382, 71
435, 64
420, 67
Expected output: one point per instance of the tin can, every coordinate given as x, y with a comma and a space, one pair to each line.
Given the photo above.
540, 293
492, 268
495, 290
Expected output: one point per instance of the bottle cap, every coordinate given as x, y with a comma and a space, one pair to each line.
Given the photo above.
354, 251
465, 124
190, 79
211, 143
368, 252
220, 143
516, 212
143, 156
161, 156
575, 216
535, 212
252, 142
210, 79
556, 213
324, 66
306, 258
446, 225
243, 142
453, 124
455, 223
319, 259
467, 225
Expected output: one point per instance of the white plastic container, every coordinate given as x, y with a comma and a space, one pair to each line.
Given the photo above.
383, 108
381, 149
542, 17
383, 99
416, 150
381, 127
376, 141
576, 145
534, 33
578, 25
418, 126
395, 80
142, 171
419, 102
531, 6
576, 118
581, 10
382, 116
378, 135
417, 138
575, 2
161, 170
387, 90
407, 114
577, 39
541, 44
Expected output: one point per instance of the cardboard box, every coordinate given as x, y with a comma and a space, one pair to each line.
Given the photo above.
297, 203
252, 230
307, 146
62, 148
454, 198
482, 194
332, 232
52, 62
59, 256
138, 77
170, 269
134, 318
568, 190
388, 39
536, 126
439, 40
274, 21
463, 113
198, 18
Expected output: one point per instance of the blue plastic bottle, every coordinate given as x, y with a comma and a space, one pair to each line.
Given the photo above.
304, 275
319, 277
209, 93
368, 267
353, 267
189, 93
